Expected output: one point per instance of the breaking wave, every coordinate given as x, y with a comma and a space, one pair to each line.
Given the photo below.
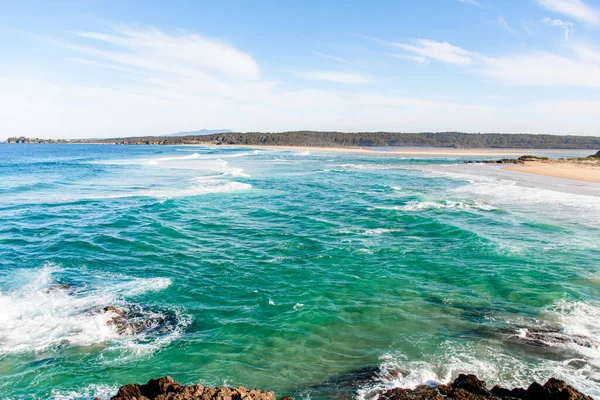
41, 312
570, 326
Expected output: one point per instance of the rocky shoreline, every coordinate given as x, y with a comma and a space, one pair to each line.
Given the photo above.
465, 387
520, 160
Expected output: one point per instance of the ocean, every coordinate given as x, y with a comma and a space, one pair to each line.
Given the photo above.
318, 275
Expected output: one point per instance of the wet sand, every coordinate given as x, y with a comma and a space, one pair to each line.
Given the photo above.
580, 171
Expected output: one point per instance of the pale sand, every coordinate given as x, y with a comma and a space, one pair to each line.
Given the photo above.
587, 172
403, 151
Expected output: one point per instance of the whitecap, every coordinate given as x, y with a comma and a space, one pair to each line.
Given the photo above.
38, 313
103, 392
444, 204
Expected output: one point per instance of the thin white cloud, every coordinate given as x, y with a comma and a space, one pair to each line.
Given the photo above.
565, 25
527, 26
544, 69
333, 58
579, 68
573, 8
502, 22
417, 59
569, 107
159, 50
440, 51
472, 2
337, 77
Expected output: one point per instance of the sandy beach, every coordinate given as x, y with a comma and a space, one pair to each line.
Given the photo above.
581, 171
408, 151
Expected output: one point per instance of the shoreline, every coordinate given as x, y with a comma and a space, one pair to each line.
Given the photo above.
557, 169
402, 151
462, 388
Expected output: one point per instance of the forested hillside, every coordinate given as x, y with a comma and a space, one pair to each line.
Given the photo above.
376, 139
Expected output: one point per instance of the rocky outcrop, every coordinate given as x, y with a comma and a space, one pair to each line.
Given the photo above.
553, 337
469, 387
597, 155
520, 160
167, 389
132, 320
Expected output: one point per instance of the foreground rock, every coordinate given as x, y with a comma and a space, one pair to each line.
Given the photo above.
469, 387
167, 389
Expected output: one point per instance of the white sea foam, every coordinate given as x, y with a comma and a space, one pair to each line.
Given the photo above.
200, 186
37, 314
580, 203
103, 392
369, 232
574, 318
156, 161
379, 231
487, 363
578, 319
444, 204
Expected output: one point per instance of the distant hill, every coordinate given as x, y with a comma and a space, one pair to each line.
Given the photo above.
455, 140
199, 133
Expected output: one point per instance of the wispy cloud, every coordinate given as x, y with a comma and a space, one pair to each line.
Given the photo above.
154, 49
546, 69
472, 2
337, 77
573, 8
502, 22
418, 59
440, 51
332, 57
565, 25
580, 67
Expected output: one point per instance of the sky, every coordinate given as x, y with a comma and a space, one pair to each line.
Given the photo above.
77, 69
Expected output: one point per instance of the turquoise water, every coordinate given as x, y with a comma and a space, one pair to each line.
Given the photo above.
289, 271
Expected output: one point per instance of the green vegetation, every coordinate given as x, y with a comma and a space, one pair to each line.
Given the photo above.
22, 139
455, 140
375, 139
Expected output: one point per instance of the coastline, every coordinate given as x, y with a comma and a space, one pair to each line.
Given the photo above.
578, 171
402, 151
556, 169
464, 387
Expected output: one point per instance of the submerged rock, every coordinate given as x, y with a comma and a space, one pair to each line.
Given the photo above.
133, 320
469, 387
167, 389
553, 337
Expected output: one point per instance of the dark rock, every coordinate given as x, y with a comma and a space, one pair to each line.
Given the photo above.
471, 384
469, 387
421, 392
518, 393
597, 155
167, 389
116, 310
558, 390
128, 392
133, 320
551, 337
520, 160
156, 387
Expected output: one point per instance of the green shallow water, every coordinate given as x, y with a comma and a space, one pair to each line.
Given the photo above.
287, 270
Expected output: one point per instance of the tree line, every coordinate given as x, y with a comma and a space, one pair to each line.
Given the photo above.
457, 140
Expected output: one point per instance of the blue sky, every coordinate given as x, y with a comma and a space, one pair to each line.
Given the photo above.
120, 68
